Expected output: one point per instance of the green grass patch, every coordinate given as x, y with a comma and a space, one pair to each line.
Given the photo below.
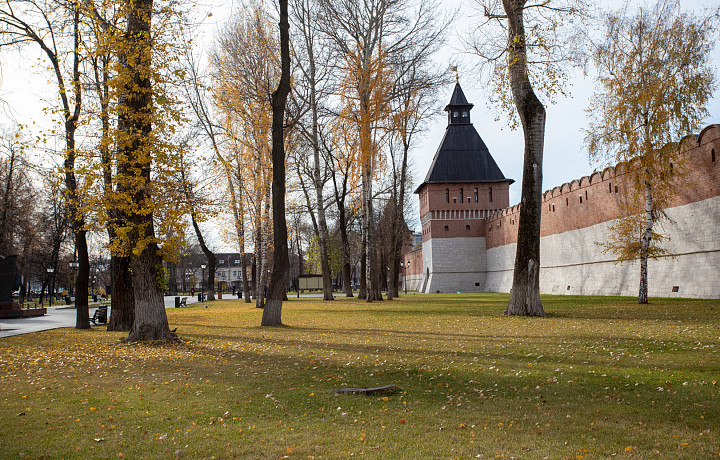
598, 377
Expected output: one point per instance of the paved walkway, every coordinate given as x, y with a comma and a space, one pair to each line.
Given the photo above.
56, 317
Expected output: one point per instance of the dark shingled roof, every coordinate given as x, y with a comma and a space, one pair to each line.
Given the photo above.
462, 155
458, 98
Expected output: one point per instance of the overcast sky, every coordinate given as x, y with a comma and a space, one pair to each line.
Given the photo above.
27, 91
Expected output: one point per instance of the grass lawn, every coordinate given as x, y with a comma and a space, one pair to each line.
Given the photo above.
599, 377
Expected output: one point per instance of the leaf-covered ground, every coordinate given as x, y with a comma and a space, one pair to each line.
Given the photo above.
599, 377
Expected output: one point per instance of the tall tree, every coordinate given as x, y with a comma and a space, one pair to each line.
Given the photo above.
525, 58
135, 158
272, 314
245, 66
197, 91
413, 102
656, 81
345, 170
57, 24
312, 88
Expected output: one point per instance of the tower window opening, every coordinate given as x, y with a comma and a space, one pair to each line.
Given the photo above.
467, 227
712, 154
464, 114
616, 189
580, 199
476, 192
490, 194
610, 185
461, 195
567, 202
455, 114
586, 195
447, 195
446, 228
553, 208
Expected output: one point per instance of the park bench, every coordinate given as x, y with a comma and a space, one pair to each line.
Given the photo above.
100, 315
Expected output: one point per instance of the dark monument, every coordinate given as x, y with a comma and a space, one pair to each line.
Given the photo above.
10, 282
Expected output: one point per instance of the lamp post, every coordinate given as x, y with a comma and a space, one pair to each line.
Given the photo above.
407, 265
50, 271
74, 265
202, 282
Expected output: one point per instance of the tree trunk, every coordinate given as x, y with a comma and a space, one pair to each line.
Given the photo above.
135, 124
211, 262
362, 292
253, 271
373, 289
525, 293
122, 302
150, 318
645, 243
317, 181
272, 314
243, 277
82, 320
340, 196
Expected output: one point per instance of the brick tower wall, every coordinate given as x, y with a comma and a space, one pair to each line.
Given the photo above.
453, 233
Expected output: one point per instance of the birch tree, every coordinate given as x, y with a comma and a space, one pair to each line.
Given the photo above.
655, 80
245, 68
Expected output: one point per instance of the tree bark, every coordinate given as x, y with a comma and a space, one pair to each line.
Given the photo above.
525, 293
362, 292
259, 268
122, 302
150, 318
645, 244
272, 314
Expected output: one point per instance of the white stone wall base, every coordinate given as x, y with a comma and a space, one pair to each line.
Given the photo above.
571, 262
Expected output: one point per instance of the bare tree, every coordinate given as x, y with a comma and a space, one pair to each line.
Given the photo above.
524, 58
312, 88
377, 37
50, 25
272, 314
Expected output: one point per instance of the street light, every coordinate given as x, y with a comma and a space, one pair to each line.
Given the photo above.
202, 281
407, 265
50, 271
75, 265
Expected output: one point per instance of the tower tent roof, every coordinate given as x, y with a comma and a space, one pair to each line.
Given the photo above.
458, 98
462, 155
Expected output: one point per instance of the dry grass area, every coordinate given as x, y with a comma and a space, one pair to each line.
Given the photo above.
599, 377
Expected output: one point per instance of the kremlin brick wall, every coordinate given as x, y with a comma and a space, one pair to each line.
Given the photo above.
578, 214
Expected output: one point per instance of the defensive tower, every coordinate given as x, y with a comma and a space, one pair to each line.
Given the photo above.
462, 188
